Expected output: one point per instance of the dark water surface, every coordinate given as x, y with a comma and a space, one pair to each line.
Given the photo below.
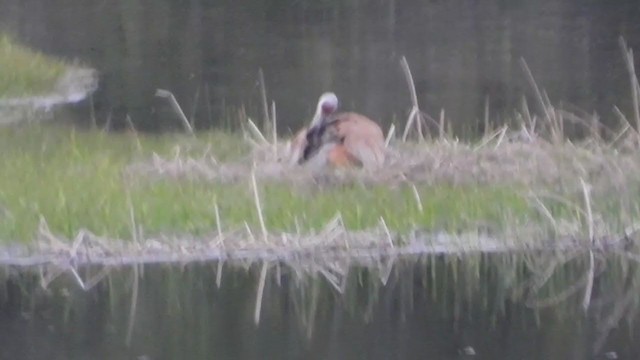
438, 309
462, 52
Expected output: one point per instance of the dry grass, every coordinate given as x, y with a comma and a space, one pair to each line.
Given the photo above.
552, 176
570, 185
536, 164
582, 189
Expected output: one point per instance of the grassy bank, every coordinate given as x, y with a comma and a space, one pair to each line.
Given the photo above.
79, 179
26, 72
175, 184
134, 185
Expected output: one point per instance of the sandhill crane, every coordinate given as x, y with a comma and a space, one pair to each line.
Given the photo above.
339, 139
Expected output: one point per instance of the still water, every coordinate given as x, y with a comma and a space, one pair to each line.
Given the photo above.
434, 309
463, 54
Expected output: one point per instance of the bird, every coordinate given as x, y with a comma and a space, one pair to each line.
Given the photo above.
344, 139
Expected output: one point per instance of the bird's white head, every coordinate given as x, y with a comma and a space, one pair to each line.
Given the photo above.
327, 104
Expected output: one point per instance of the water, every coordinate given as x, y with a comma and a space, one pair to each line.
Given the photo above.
463, 53
437, 309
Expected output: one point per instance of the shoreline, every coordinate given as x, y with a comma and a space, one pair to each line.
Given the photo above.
75, 85
361, 248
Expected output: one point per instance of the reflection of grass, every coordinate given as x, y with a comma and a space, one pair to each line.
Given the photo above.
24, 71
74, 180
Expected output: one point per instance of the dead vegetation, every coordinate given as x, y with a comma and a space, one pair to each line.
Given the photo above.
534, 155
534, 152
537, 157
536, 164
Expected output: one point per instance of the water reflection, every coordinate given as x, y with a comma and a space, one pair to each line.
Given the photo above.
439, 308
463, 54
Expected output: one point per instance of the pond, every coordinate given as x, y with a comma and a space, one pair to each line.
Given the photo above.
466, 307
464, 55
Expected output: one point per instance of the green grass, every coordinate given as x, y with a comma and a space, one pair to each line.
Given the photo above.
74, 180
26, 72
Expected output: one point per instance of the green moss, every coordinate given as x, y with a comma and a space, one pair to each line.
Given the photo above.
25, 72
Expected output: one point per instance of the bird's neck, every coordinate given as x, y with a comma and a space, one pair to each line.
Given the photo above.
318, 117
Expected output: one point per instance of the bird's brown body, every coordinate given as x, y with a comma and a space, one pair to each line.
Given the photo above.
339, 139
